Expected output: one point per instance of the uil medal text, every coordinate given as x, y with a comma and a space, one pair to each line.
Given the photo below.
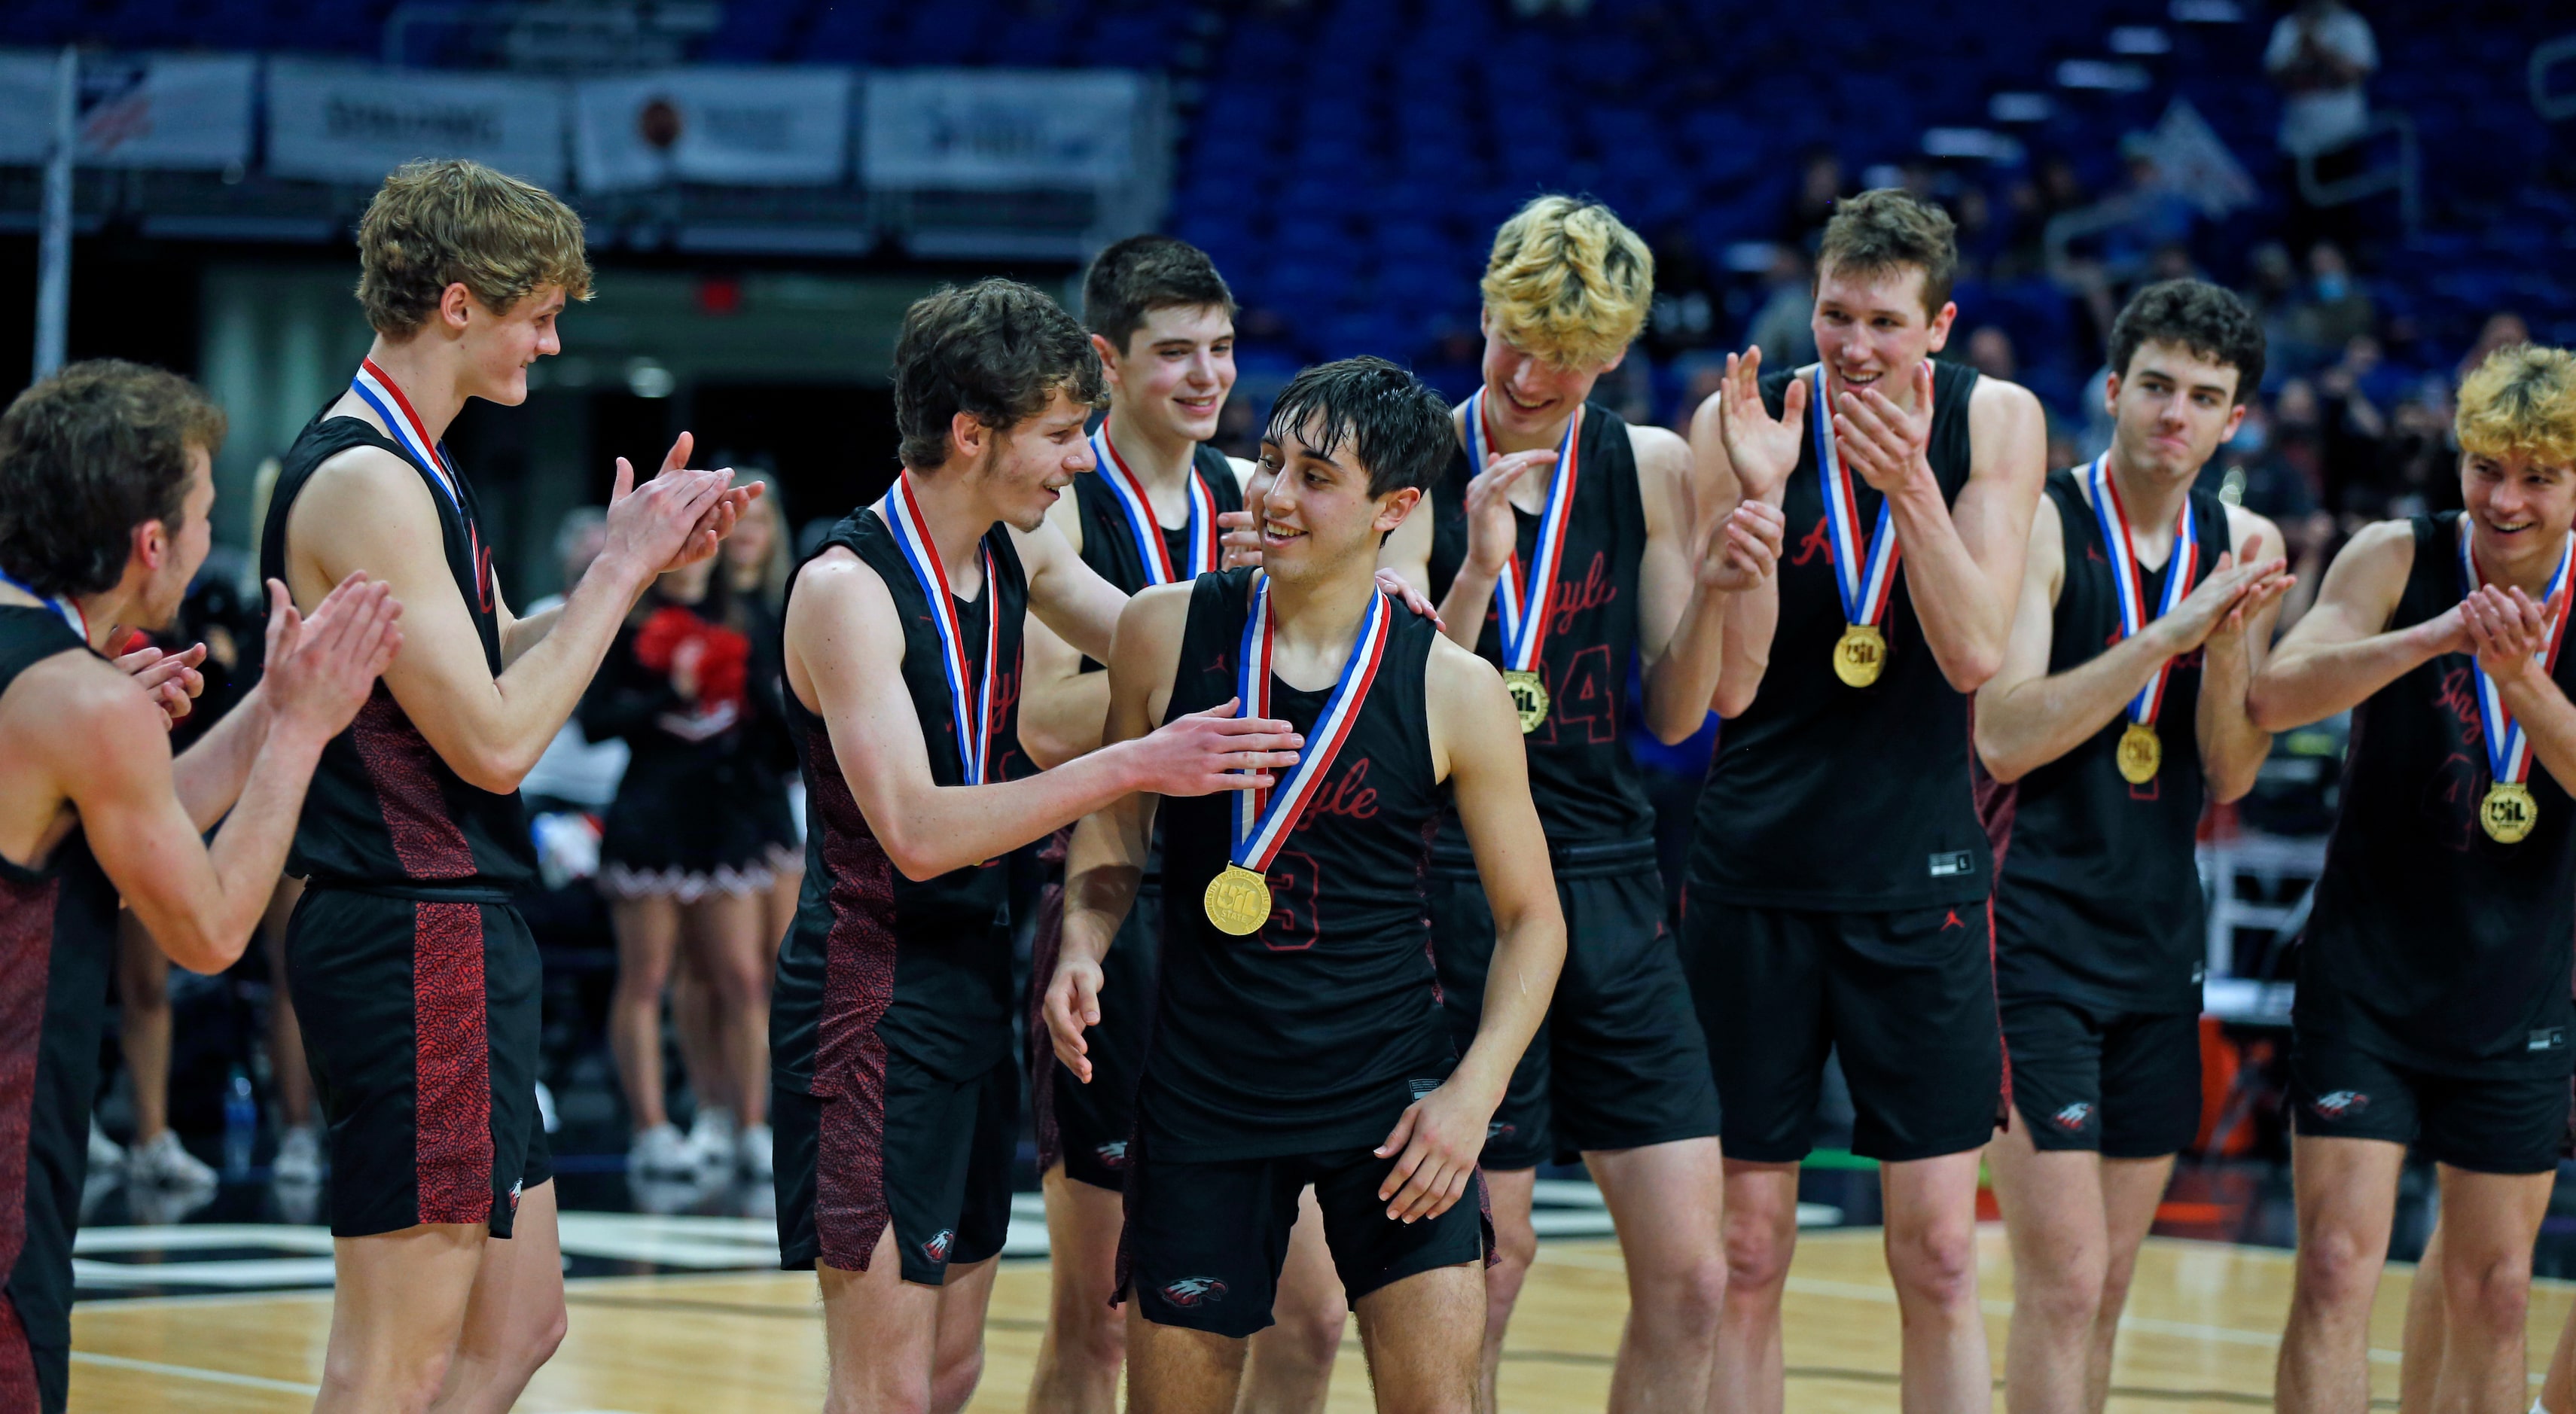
1860, 655
2142, 754
1238, 901
1529, 697
2508, 812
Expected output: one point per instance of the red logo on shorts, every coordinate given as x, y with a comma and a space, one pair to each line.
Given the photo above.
2341, 1104
1193, 1291
936, 1249
1952, 921
2072, 1118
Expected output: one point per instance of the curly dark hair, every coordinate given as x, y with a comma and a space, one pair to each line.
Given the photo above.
85, 457
996, 350
1398, 428
1141, 274
2197, 315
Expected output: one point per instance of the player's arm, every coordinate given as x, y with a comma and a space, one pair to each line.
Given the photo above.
1686, 583
199, 901
208, 776
845, 661
2342, 650
1493, 533
1962, 562
1065, 593
368, 510
1106, 860
2232, 747
1740, 456
1061, 706
1474, 729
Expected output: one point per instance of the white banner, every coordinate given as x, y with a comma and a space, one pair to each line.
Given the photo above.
135, 110
742, 126
988, 129
355, 122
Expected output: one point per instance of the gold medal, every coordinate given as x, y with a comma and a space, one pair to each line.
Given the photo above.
1860, 655
2142, 753
1529, 697
1238, 901
2508, 812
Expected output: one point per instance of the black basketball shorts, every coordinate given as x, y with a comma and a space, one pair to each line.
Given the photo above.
1204, 1242
2124, 1084
1086, 1127
2505, 1123
421, 1023
1906, 999
932, 1160
1619, 1062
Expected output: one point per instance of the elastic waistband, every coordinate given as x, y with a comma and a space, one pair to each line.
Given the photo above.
416, 893
1571, 861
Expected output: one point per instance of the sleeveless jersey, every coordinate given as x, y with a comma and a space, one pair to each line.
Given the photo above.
2097, 893
1824, 796
2431, 944
385, 814
1590, 796
1109, 545
57, 944
922, 966
1314, 1033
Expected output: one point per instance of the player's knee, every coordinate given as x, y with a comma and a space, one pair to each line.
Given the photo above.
1757, 1255
1310, 1333
953, 1382
1685, 1295
1093, 1336
543, 1339
1937, 1264
2067, 1293
2495, 1294
389, 1381
2337, 1267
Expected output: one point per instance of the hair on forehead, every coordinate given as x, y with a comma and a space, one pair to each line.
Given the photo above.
2198, 317
1398, 429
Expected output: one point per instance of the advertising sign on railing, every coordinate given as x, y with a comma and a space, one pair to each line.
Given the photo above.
743, 126
999, 129
355, 122
160, 110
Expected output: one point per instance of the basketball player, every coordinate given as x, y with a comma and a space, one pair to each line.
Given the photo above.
105, 483
2433, 987
1561, 541
1838, 879
416, 980
1297, 1037
2146, 606
1162, 321
896, 1095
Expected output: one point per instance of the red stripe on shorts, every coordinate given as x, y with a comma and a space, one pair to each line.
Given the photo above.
452, 1065
26, 956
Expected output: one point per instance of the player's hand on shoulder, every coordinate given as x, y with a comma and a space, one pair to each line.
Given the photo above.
1400, 589
1201, 753
1072, 1006
321, 668
1435, 1145
170, 679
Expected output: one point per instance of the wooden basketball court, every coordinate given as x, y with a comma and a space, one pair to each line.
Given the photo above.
2201, 1332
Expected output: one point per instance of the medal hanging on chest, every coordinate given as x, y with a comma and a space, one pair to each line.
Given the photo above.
970, 692
1238, 898
378, 391
2141, 752
1129, 491
1864, 571
1524, 594
2507, 812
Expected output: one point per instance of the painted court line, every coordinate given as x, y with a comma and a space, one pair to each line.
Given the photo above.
191, 1372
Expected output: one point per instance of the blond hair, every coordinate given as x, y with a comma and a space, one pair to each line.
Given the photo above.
2521, 400
1568, 282
435, 224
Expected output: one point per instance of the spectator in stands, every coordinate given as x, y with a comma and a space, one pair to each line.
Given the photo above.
2502, 328
2334, 309
2278, 478
1820, 185
1781, 327
575, 772
1990, 352
2319, 56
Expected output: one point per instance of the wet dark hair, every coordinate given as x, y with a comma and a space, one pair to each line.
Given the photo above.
1397, 428
2197, 315
85, 457
1141, 274
996, 350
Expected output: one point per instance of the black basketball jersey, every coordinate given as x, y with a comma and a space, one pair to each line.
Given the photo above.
2097, 894
923, 965
385, 813
1109, 542
1826, 796
2430, 943
1315, 1032
1586, 786
57, 943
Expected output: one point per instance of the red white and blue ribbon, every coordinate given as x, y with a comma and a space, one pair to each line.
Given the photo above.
970, 694
1129, 490
59, 603
2508, 749
1521, 596
1263, 819
377, 389
1864, 573
2120, 548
